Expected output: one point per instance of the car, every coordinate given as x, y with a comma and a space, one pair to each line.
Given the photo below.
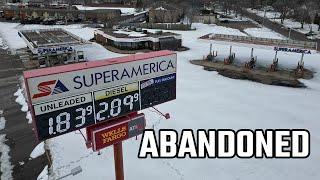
60, 23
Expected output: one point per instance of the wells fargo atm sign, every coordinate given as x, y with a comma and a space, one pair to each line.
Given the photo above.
109, 134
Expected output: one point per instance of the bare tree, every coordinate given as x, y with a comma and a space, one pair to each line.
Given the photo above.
301, 13
312, 12
190, 16
283, 7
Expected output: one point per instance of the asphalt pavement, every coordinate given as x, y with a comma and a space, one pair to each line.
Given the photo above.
19, 134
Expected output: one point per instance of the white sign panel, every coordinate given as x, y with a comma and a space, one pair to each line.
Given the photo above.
55, 86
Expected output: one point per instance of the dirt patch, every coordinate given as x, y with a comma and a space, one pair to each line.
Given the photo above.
281, 77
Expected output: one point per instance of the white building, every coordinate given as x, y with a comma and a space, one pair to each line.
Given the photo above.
54, 46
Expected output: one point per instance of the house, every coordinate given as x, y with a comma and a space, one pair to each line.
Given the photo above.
165, 13
206, 16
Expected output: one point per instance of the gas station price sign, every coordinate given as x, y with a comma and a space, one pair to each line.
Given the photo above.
66, 98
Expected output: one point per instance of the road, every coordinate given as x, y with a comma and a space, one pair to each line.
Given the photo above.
21, 138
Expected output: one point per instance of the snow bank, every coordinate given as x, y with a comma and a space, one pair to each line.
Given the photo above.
29, 117
3, 44
44, 174
2, 123
5, 164
2, 120
37, 151
21, 100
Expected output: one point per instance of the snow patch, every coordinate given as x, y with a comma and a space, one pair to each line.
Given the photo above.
5, 164
263, 33
44, 174
21, 100
38, 151
2, 120
2, 123
3, 44
29, 117
130, 33
160, 8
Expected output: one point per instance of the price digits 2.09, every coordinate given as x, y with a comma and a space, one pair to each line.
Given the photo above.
118, 105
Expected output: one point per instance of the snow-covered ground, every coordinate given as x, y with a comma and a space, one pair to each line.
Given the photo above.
263, 33
219, 30
206, 100
3, 44
220, 102
268, 14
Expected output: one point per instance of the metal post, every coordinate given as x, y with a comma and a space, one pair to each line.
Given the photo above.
118, 161
290, 33
301, 60
252, 53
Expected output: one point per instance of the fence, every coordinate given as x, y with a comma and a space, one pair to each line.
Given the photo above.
265, 41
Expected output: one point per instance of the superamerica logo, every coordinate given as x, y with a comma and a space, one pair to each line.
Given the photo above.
49, 88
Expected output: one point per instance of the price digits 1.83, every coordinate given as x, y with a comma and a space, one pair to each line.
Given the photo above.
117, 105
64, 121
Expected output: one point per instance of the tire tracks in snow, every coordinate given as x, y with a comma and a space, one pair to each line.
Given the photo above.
174, 169
154, 125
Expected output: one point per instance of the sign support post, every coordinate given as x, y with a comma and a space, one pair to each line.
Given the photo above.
118, 161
